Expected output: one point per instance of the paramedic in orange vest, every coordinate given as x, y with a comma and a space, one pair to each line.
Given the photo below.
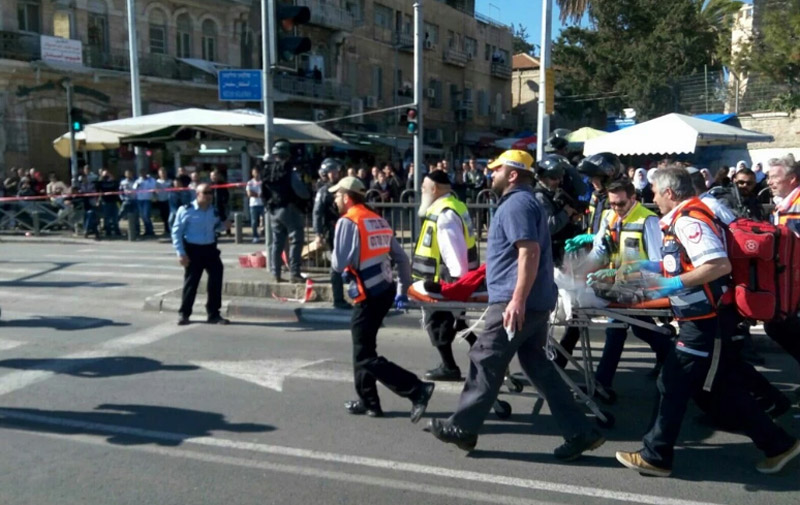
783, 178
696, 271
364, 249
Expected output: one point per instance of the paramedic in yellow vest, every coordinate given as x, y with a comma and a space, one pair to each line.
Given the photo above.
628, 233
445, 251
783, 179
364, 249
696, 269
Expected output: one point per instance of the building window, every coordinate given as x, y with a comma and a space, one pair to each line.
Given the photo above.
62, 24
436, 101
355, 8
183, 43
432, 33
487, 52
377, 82
483, 103
97, 33
29, 14
158, 32
209, 40
471, 46
383, 16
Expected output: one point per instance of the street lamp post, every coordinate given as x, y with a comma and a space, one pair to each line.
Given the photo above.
136, 98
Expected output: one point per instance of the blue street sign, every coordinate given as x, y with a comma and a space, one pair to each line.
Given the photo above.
240, 85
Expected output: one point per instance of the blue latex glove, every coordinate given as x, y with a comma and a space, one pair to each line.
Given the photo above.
578, 242
605, 275
639, 266
665, 286
401, 302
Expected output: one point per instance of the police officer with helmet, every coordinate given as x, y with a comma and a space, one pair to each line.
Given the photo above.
325, 216
285, 197
559, 206
364, 250
602, 169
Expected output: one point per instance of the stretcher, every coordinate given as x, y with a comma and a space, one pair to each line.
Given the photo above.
613, 316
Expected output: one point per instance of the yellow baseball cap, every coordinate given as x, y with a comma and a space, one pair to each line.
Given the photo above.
349, 184
514, 158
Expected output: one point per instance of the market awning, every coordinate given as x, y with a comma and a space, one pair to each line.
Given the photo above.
672, 134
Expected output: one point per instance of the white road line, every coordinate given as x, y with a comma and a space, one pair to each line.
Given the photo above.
87, 274
6, 344
15, 381
362, 480
9, 297
345, 459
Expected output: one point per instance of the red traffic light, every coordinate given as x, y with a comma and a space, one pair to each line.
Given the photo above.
411, 114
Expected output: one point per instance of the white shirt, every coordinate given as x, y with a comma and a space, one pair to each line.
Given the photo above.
719, 209
452, 244
697, 238
254, 187
163, 184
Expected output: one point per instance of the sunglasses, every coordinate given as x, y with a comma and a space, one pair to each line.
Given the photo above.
618, 204
207, 192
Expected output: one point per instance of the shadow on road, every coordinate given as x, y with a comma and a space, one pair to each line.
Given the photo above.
64, 323
128, 424
116, 366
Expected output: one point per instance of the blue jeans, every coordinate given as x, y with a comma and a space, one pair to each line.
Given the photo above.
111, 218
256, 215
90, 220
144, 212
615, 343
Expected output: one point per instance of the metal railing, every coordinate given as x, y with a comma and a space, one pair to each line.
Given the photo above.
303, 86
328, 15
501, 70
455, 57
19, 46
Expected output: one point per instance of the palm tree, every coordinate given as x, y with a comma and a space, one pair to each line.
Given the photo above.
718, 13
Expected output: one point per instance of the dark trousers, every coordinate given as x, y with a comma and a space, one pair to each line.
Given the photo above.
163, 212
785, 333
286, 223
90, 219
441, 327
489, 358
368, 367
202, 257
684, 375
615, 343
111, 218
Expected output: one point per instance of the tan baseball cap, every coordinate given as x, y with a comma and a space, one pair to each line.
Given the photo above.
349, 184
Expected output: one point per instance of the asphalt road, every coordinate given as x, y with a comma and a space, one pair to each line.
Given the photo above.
103, 403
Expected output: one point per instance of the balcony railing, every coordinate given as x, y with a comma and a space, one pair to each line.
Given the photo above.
455, 57
306, 87
328, 15
19, 46
404, 41
501, 70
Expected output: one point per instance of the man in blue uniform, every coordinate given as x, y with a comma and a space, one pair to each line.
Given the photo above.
194, 236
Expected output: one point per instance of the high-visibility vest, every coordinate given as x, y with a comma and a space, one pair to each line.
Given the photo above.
598, 209
374, 273
789, 209
427, 262
694, 302
626, 236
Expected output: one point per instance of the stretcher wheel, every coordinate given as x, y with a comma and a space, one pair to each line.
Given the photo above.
514, 385
502, 409
609, 422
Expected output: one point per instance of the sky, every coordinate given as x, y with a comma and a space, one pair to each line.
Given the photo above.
526, 12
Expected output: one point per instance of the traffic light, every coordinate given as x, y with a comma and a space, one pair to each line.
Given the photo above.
77, 121
411, 118
286, 44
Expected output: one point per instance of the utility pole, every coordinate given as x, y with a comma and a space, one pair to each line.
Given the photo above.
268, 51
419, 138
136, 98
73, 153
543, 127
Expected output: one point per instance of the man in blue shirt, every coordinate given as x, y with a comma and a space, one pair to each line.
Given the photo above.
522, 293
194, 236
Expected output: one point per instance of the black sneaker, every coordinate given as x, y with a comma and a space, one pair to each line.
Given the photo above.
452, 434
577, 445
218, 320
359, 408
444, 373
183, 321
420, 403
297, 279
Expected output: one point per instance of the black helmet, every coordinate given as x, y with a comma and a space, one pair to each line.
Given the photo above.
552, 166
558, 139
601, 165
282, 148
330, 164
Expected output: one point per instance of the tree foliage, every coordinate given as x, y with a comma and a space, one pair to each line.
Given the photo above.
520, 41
776, 49
631, 55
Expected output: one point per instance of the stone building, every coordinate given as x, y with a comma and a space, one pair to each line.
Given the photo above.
525, 91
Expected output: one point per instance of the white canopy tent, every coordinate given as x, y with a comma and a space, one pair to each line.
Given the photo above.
236, 123
671, 134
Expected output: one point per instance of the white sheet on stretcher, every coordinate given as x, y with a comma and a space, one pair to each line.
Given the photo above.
574, 293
